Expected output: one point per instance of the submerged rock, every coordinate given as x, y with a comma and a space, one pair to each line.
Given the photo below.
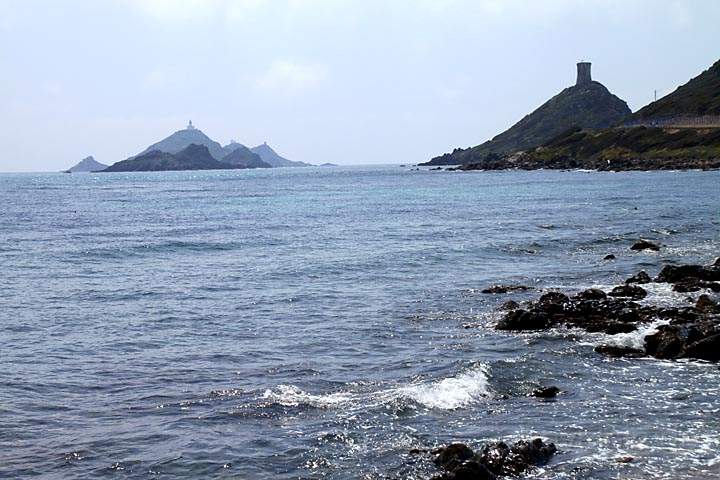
645, 245
609, 256
505, 289
545, 392
618, 351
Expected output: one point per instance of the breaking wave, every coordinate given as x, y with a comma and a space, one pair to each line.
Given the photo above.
449, 393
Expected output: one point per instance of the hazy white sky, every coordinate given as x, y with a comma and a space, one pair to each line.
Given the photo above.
349, 82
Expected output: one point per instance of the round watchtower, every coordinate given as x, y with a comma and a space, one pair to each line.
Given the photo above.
583, 73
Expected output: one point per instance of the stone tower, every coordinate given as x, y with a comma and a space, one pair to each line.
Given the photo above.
583, 76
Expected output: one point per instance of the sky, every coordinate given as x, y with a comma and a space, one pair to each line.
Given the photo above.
341, 81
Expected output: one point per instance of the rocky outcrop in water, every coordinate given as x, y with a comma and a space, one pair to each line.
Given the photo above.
691, 331
641, 245
494, 460
87, 164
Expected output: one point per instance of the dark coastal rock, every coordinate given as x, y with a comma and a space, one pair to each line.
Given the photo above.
505, 289
523, 320
629, 291
706, 304
666, 343
641, 277
707, 348
493, 460
453, 455
694, 285
617, 351
609, 257
545, 392
691, 331
678, 315
552, 302
677, 273
611, 328
592, 294
716, 263
699, 341
510, 305
523, 455
468, 471
691, 284
645, 245
688, 285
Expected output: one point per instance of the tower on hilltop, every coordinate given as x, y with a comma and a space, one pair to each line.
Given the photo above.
583, 73
190, 126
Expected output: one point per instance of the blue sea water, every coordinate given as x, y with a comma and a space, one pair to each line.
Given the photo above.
320, 323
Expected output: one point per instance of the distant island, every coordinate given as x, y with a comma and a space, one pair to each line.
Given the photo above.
193, 157
587, 127
191, 149
87, 164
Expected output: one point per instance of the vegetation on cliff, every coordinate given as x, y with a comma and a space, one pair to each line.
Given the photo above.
699, 96
637, 148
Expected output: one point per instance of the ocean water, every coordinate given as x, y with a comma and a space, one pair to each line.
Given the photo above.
320, 323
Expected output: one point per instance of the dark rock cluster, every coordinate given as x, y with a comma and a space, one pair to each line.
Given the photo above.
692, 331
505, 288
494, 460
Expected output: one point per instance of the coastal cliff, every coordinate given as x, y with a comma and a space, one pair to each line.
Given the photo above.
679, 131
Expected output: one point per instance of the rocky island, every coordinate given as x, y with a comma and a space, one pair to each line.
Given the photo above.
191, 149
193, 157
87, 164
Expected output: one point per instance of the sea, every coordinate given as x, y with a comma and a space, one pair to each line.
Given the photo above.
322, 323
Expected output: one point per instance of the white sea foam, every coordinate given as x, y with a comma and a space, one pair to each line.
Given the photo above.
634, 339
291, 396
451, 393
446, 394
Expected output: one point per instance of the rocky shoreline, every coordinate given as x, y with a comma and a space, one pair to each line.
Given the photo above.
690, 331
615, 149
